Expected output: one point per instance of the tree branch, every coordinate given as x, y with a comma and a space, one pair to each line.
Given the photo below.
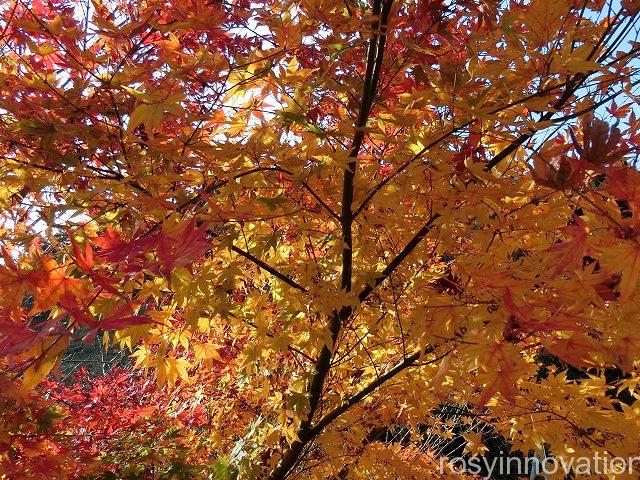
199, 198
570, 89
453, 131
323, 365
409, 247
373, 386
572, 85
286, 279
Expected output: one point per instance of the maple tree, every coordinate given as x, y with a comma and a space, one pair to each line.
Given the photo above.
314, 222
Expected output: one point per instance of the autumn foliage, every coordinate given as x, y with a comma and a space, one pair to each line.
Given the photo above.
311, 224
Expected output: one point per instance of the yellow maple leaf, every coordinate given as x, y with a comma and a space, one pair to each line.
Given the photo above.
624, 258
474, 443
41, 367
207, 351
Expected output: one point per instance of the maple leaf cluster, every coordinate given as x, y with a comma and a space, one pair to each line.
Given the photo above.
117, 426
